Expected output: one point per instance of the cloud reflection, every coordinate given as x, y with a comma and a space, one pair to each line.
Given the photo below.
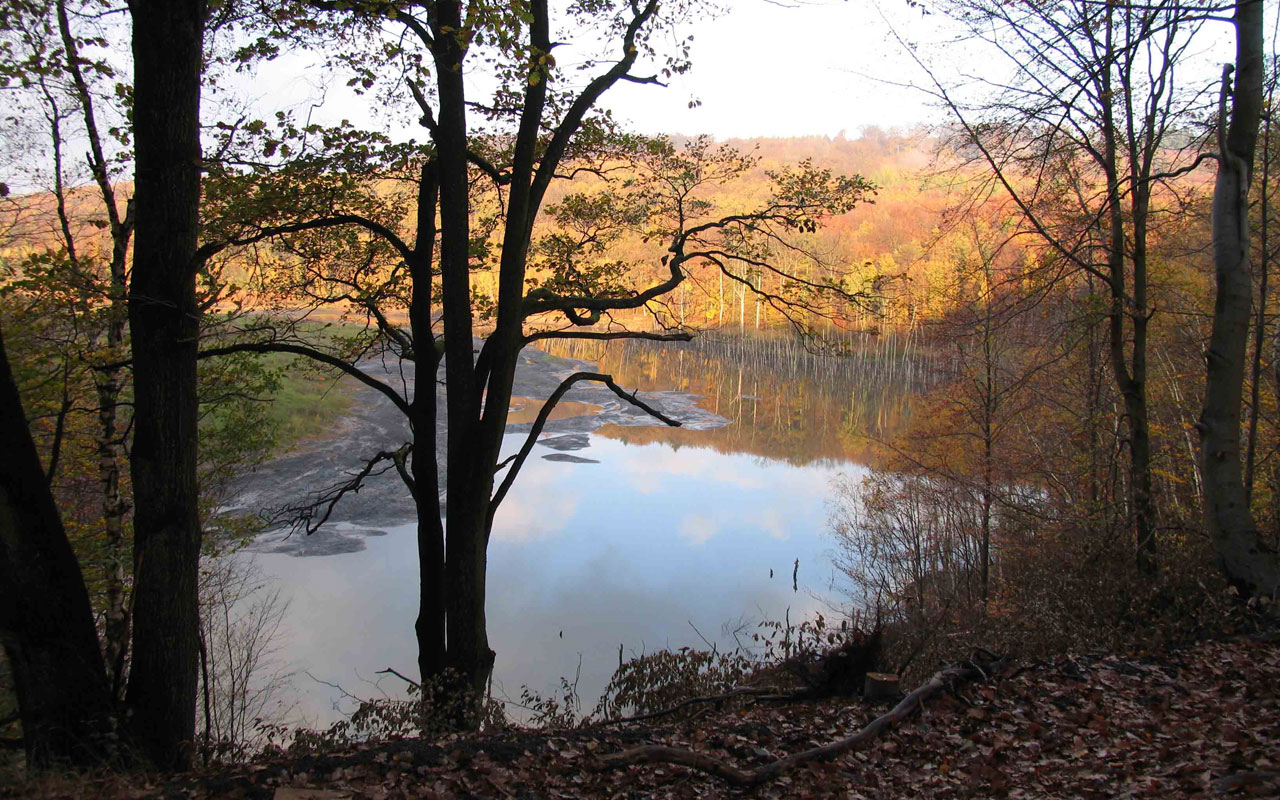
583, 550
698, 528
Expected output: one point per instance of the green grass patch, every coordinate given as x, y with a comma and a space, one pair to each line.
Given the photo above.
308, 402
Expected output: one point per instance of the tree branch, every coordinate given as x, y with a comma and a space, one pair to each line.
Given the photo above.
315, 355
545, 414
304, 516
583, 103
211, 249
608, 336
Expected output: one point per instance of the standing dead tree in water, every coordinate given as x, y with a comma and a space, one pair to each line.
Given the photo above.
394, 233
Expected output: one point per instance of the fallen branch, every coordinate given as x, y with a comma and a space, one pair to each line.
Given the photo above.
979, 666
742, 691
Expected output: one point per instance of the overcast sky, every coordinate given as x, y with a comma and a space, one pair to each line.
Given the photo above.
763, 68
786, 69
780, 68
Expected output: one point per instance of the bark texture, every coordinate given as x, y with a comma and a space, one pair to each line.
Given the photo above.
163, 316
1248, 562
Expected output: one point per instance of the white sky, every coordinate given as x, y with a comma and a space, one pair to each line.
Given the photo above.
764, 68
773, 68
768, 70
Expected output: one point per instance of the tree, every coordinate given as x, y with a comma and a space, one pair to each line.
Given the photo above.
1080, 139
75, 281
68, 280
168, 53
475, 194
46, 623
1249, 563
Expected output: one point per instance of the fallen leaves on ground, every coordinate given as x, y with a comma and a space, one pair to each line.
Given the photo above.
1202, 721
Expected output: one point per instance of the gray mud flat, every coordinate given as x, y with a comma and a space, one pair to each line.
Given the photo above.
566, 442
569, 459
375, 425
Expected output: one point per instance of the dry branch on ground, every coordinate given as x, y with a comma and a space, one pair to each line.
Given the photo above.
1201, 721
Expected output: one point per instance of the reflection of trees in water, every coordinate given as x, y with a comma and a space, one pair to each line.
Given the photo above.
785, 402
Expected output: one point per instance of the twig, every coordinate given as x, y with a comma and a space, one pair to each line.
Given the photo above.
741, 691
390, 671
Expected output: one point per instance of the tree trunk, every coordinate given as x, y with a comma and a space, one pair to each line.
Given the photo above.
46, 622
1248, 562
467, 487
1140, 492
164, 318
109, 381
1260, 319
430, 625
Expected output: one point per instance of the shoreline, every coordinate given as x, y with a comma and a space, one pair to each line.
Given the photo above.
374, 424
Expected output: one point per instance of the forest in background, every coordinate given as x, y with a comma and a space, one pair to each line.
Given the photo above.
1046, 492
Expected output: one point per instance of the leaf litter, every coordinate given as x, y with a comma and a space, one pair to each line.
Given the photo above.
1199, 721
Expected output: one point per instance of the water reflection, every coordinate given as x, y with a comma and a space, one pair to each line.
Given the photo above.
785, 402
646, 549
666, 537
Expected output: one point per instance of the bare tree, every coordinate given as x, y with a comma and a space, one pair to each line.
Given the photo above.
1081, 135
242, 675
1249, 563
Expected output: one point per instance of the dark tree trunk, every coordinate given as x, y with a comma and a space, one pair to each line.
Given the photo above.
468, 478
430, 626
163, 316
46, 622
1249, 563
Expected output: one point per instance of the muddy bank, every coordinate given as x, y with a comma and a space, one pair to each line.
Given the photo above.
374, 424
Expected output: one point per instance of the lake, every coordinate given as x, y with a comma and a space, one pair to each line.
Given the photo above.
649, 538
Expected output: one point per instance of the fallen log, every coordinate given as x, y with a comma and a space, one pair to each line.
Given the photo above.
981, 665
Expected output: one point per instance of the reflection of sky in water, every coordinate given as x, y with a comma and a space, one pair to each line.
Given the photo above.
629, 551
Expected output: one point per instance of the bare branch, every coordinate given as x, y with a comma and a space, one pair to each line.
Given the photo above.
315, 355
608, 336
980, 666
410, 681
304, 516
545, 414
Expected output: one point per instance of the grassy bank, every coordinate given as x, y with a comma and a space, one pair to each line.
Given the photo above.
308, 401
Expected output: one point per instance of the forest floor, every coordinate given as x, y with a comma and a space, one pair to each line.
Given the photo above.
1197, 721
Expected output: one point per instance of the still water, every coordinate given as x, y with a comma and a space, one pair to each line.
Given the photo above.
658, 538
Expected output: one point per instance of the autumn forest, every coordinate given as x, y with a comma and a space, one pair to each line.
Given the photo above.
1034, 343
